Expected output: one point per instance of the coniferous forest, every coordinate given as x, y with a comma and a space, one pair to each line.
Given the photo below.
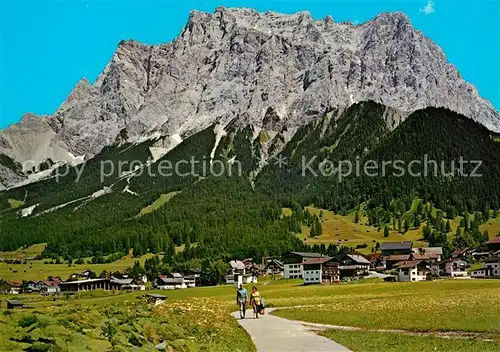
240, 215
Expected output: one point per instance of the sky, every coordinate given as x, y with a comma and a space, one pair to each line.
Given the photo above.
47, 46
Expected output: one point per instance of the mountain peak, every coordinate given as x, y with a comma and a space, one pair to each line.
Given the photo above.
236, 63
395, 17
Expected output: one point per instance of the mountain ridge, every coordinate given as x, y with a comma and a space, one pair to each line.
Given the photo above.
232, 66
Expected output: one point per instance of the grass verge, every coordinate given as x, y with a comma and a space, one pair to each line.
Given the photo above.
361, 341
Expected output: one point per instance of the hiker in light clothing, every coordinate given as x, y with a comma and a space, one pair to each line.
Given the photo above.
241, 300
255, 301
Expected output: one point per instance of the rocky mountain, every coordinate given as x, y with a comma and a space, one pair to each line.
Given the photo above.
239, 212
241, 67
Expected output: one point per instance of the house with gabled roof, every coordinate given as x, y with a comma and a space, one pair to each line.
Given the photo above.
320, 270
128, 284
454, 267
238, 274
395, 252
396, 248
50, 286
413, 270
431, 254
462, 252
352, 265
293, 263
274, 267
390, 260
173, 282
493, 264
15, 287
493, 244
481, 272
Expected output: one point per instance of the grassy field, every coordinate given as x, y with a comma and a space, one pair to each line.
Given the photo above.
492, 226
162, 200
14, 203
23, 253
460, 305
362, 341
194, 324
38, 270
342, 231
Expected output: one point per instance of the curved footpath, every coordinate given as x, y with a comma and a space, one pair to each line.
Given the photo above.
273, 334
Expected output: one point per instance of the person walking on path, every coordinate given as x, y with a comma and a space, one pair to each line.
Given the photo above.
241, 300
255, 301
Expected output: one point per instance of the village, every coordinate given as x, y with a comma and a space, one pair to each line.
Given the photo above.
394, 262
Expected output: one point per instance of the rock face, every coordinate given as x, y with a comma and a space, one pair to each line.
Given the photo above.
235, 65
10, 172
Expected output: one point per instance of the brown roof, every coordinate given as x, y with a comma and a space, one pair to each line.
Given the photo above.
461, 251
320, 260
495, 240
409, 264
53, 282
397, 258
374, 256
418, 256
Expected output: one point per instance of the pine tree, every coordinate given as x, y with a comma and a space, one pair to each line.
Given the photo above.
386, 231
406, 225
448, 226
486, 212
416, 221
137, 271
356, 217
466, 220
319, 227
427, 232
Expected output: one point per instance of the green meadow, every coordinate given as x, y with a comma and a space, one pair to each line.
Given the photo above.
199, 319
365, 341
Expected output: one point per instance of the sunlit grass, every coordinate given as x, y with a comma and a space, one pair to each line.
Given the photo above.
358, 341
38, 270
14, 203
468, 305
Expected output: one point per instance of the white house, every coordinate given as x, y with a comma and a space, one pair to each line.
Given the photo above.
238, 274
239, 279
352, 265
176, 282
128, 284
15, 287
292, 263
274, 267
321, 270
494, 265
413, 270
483, 272
50, 287
455, 267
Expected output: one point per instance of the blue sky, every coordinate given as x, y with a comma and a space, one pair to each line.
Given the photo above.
47, 46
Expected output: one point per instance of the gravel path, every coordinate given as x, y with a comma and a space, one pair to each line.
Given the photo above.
274, 334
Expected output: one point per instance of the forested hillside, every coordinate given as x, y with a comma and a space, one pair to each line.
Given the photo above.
239, 215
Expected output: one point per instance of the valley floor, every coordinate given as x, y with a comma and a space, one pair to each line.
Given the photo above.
467, 310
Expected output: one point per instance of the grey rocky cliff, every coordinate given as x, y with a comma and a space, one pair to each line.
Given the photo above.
234, 65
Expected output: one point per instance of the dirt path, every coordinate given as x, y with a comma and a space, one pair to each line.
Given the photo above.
274, 334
